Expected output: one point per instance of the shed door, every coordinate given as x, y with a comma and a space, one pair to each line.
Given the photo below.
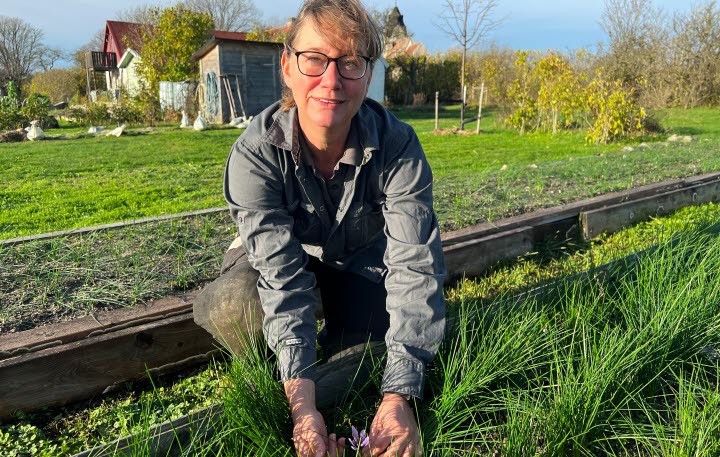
261, 86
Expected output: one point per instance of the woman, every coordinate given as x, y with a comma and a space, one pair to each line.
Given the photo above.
330, 190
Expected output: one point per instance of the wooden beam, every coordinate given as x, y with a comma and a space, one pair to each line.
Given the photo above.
571, 210
168, 438
474, 257
81, 369
616, 217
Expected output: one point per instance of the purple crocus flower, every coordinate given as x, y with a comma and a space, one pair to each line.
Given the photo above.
358, 440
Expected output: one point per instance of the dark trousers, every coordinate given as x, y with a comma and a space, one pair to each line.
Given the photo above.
353, 307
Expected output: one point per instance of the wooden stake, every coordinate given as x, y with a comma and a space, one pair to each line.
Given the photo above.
437, 110
480, 104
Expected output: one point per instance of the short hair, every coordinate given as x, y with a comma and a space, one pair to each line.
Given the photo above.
341, 21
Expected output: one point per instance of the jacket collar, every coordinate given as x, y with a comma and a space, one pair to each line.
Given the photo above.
283, 133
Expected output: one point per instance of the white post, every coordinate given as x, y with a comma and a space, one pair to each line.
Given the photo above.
437, 110
480, 103
464, 99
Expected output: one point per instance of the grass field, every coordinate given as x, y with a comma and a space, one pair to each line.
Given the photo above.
64, 184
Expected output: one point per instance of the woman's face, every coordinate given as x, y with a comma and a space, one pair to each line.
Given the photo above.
326, 102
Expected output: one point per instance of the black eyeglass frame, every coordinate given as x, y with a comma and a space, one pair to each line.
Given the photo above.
367, 60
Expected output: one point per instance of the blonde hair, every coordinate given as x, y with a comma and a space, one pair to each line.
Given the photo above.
340, 21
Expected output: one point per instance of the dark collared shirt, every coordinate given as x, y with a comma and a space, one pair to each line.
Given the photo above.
383, 227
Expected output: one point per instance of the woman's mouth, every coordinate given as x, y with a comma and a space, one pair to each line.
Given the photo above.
328, 101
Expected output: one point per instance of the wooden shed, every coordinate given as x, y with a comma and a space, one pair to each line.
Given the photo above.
240, 77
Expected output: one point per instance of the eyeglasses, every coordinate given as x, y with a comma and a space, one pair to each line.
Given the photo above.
311, 63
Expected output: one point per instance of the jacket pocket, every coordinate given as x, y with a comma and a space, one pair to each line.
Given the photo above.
306, 223
364, 223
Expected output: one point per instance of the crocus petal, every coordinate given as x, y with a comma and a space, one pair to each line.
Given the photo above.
355, 433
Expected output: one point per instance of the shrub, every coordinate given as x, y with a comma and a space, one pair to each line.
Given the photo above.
10, 116
35, 107
613, 111
125, 113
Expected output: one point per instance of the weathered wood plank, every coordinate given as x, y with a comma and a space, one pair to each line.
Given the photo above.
78, 370
76, 329
616, 217
167, 439
474, 257
570, 210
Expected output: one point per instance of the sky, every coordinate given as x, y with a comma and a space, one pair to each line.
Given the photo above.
527, 24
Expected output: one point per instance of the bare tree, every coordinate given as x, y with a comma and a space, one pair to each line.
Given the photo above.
22, 51
467, 22
637, 33
695, 56
227, 15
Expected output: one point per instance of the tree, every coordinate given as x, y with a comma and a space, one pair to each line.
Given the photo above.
166, 52
170, 44
59, 84
22, 51
638, 37
467, 22
227, 15
695, 56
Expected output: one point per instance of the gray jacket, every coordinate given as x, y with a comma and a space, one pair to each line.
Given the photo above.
384, 229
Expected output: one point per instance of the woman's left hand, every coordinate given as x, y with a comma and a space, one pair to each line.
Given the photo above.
394, 432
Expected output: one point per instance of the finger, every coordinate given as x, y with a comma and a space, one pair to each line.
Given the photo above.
333, 446
396, 449
341, 447
379, 443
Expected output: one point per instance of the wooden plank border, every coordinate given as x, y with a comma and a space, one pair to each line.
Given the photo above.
95, 228
572, 210
81, 369
614, 218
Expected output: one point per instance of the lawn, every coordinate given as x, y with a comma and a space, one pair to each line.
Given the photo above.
77, 182
58, 279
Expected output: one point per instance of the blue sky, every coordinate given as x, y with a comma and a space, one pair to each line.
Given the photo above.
528, 24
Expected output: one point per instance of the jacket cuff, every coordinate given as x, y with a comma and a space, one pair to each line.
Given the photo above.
404, 377
297, 362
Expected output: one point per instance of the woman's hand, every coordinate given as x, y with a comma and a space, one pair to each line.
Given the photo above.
310, 434
309, 431
394, 432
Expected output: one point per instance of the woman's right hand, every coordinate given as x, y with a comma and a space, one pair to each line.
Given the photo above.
309, 431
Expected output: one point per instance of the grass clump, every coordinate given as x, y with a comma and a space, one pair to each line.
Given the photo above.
616, 362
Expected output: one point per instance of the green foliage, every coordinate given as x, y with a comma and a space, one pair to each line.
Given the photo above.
407, 76
10, 114
90, 114
36, 107
548, 93
14, 113
168, 46
559, 93
166, 52
261, 32
523, 95
612, 110
125, 112
58, 83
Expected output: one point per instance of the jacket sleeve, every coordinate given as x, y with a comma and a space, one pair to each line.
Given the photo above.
254, 188
416, 268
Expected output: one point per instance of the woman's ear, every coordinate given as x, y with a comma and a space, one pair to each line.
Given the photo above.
285, 65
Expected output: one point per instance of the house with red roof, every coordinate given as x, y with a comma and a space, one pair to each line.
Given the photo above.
119, 56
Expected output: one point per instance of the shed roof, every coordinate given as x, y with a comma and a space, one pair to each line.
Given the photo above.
218, 36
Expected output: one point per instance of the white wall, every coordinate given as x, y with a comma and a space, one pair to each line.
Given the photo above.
376, 91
